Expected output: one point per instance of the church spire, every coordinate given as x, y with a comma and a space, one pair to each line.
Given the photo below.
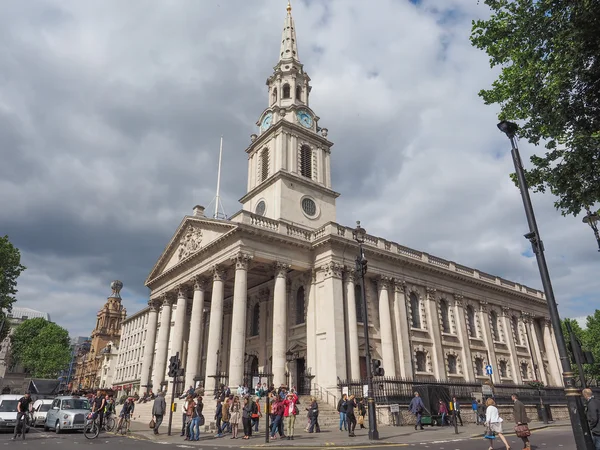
289, 48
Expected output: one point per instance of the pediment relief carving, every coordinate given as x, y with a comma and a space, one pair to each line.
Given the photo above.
190, 242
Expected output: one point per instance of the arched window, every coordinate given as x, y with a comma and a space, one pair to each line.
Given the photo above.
503, 369
286, 91
300, 305
515, 324
306, 161
414, 311
471, 321
524, 370
452, 364
494, 323
298, 93
359, 303
274, 100
444, 316
264, 164
255, 320
421, 360
479, 367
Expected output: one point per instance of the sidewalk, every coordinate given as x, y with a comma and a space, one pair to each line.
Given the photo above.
333, 437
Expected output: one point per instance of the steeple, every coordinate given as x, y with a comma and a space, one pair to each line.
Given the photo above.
289, 47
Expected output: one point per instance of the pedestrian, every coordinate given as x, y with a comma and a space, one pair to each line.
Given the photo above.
184, 417
443, 411
98, 407
226, 426
256, 414
277, 416
341, 408
362, 412
235, 416
313, 414
350, 417
190, 405
456, 407
159, 407
521, 419
24, 405
475, 413
290, 412
593, 415
247, 408
493, 422
197, 407
218, 418
417, 407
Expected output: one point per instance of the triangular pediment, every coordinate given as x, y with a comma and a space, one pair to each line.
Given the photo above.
192, 235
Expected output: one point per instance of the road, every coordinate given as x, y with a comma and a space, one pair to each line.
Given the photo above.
558, 438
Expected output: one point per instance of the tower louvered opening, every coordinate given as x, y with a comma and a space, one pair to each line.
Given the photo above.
306, 161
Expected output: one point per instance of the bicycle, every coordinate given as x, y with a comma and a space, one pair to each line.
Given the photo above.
123, 426
109, 423
24, 425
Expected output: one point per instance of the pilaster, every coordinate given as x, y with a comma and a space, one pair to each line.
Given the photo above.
489, 342
514, 359
463, 337
402, 329
352, 324
439, 365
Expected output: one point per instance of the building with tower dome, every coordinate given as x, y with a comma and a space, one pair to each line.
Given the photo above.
273, 292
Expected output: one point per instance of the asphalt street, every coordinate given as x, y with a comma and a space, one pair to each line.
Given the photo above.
546, 439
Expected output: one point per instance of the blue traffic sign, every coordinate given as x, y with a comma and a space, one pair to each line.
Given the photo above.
488, 370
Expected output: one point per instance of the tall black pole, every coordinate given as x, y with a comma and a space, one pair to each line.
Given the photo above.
581, 432
362, 267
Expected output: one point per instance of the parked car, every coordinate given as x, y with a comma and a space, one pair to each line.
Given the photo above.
8, 411
67, 413
40, 408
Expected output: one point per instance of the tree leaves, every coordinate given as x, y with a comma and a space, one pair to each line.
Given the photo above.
41, 347
10, 269
550, 84
590, 341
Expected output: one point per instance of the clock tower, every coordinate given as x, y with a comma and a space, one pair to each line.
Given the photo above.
289, 160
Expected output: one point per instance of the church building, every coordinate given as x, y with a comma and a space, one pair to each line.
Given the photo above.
273, 289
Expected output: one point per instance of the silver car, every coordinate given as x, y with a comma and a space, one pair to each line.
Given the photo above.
67, 413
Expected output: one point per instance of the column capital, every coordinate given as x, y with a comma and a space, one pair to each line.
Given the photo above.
483, 306
241, 261
154, 304
526, 317
459, 299
547, 322
506, 311
166, 299
399, 285
181, 291
384, 282
431, 292
281, 269
351, 274
218, 272
199, 283
332, 269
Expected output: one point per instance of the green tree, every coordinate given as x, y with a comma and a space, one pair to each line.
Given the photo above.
592, 342
41, 347
549, 82
10, 269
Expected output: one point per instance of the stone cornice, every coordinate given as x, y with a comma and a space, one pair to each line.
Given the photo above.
292, 128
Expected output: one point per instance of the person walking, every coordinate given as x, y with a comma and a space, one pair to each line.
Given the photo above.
277, 410
235, 416
521, 419
256, 414
593, 415
350, 416
218, 418
443, 411
341, 408
362, 412
194, 432
24, 406
493, 422
417, 407
456, 406
159, 407
247, 417
313, 414
290, 412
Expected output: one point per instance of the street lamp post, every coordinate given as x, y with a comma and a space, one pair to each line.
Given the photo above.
359, 235
583, 439
592, 220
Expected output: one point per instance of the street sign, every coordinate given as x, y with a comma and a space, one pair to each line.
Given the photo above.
488, 370
394, 408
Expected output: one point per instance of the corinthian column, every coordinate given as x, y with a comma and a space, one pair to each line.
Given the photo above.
385, 327
238, 323
279, 324
215, 328
177, 341
439, 363
149, 344
196, 333
352, 325
402, 330
463, 336
514, 358
160, 364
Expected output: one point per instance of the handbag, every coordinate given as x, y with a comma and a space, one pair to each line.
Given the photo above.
522, 431
201, 420
361, 420
152, 424
489, 433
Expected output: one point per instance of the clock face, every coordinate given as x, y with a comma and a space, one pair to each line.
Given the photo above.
266, 122
304, 118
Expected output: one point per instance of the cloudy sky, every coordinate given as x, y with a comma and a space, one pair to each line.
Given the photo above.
111, 113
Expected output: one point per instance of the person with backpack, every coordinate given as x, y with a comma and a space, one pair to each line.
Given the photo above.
417, 407
197, 419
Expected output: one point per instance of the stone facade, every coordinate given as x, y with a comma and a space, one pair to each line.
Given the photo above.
273, 289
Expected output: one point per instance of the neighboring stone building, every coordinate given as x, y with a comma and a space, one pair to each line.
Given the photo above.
91, 363
279, 281
128, 365
12, 376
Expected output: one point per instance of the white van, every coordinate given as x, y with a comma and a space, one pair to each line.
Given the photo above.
40, 409
8, 411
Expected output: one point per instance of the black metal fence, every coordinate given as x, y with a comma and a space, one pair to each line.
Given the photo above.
398, 390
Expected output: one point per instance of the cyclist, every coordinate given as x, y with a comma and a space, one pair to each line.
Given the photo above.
126, 412
24, 406
98, 407
109, 408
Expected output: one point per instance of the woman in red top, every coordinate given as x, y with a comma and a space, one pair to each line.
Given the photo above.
290, 411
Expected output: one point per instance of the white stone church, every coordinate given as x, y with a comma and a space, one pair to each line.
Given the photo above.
273, 289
